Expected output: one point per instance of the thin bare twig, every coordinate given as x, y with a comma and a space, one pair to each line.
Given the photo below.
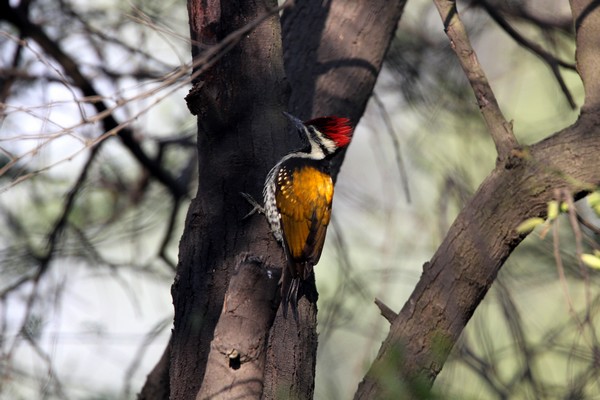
562, 278
149, 338
162, 252
386, 311
553, 62
51, 370
568, 198
396, 144
499, 128
560, 267
72, 69
589, 225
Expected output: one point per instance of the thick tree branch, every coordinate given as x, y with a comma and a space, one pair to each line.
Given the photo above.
500, 130
476, 246
483, 236
333, 53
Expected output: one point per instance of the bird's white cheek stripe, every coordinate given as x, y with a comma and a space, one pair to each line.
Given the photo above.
327, 145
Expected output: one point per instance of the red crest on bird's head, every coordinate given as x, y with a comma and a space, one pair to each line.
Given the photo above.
336, 128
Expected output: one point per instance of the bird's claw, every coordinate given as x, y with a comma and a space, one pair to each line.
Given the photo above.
255, 206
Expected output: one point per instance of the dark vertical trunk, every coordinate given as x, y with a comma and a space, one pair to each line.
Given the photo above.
241, 134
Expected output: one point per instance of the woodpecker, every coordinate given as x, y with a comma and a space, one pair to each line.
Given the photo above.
297, 195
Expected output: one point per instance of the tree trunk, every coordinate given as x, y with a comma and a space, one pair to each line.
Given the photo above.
241, 134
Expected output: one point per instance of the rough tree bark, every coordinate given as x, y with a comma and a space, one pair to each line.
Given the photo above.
483, 236
241, 134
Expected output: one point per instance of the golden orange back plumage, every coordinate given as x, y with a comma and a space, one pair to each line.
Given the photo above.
304, 195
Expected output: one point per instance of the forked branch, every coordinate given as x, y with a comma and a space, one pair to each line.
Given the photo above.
483, 235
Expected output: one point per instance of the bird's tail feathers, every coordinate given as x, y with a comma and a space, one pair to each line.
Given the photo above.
289, 295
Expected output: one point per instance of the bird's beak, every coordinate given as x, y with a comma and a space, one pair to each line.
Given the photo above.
298, 124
